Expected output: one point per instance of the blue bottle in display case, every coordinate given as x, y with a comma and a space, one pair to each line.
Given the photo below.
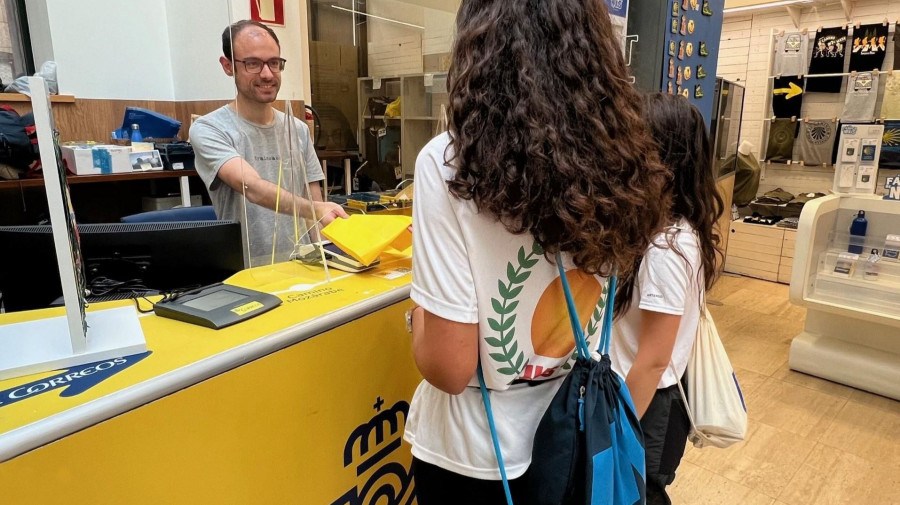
858, 233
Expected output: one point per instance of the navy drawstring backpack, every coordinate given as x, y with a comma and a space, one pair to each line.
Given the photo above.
589, 448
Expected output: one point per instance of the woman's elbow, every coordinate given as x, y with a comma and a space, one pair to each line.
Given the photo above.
449, 385
450, 381
652, 365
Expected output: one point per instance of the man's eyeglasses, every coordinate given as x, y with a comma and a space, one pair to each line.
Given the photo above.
255, 66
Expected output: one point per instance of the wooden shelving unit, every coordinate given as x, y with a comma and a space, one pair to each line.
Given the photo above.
422, 96
19, 97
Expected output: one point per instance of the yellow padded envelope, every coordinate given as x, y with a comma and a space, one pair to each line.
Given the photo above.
365, 237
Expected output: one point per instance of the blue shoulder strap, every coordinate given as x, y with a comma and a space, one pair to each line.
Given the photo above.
490, 417
581, 344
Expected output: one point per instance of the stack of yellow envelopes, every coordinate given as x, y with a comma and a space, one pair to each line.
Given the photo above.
365, 237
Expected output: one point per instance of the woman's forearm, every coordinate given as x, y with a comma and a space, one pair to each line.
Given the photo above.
642, 382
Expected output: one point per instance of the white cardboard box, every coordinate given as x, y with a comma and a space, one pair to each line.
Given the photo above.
88, 160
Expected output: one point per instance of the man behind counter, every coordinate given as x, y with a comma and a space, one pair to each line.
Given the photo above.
239, 147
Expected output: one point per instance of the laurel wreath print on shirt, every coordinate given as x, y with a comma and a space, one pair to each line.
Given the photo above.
507, 349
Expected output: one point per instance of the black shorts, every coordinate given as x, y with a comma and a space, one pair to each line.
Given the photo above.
666, 427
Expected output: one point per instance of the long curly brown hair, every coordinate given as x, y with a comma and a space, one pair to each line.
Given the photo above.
684, 146
546, 130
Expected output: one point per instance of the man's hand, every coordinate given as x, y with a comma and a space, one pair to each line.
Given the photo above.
327, 212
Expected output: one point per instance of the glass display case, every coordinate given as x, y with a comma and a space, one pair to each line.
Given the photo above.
853, 301
725, 126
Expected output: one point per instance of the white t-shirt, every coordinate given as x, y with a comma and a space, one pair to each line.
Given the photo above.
668, 284
468, 268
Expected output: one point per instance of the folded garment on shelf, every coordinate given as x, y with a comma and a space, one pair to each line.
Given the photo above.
802, 198
775, 196
756, 218
789, 222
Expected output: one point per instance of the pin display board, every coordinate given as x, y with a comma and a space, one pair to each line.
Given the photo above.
856, 170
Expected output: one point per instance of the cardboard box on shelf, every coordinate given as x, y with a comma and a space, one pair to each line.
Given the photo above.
82, 159
149, 203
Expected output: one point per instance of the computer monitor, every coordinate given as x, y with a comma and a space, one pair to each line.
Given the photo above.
159, 256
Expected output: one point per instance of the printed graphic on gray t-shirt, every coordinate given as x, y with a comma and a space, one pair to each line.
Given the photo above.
791, 54
223, 135
815, 141
862, 93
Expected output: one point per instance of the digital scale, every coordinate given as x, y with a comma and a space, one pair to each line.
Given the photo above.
216, 306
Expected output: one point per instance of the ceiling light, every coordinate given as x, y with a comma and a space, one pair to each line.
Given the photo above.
783, 3
377, 17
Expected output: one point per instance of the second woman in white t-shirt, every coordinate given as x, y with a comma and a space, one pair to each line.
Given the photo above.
660, 305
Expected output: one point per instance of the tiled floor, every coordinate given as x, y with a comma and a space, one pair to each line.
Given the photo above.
809, 441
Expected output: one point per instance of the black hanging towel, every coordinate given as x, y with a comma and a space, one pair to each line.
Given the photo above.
787, 96
827, 58
869, 47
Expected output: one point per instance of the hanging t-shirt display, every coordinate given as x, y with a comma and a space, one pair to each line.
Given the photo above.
862, 93
791, 50
890, 146
815, 141
781, 140
827, 58
787, 96
890, 101
869, 47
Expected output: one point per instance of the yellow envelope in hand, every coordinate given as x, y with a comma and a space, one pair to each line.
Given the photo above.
365, 237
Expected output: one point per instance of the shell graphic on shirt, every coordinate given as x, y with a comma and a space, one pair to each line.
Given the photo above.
551, 332
819, 132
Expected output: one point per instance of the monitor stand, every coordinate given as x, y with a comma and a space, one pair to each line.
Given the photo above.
43, 345
78, 336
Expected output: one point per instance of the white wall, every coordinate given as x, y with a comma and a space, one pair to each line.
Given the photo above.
105, 50
744, 56
154, 49
195, 45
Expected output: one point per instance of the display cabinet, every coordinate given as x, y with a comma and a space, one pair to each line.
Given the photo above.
852, 332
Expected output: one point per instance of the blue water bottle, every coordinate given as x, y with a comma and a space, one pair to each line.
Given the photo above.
858, 233
136, 133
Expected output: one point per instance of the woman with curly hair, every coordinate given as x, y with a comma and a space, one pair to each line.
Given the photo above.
660, 307
546, 153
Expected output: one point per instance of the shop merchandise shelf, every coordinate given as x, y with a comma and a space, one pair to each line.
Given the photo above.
877, 296
852, 323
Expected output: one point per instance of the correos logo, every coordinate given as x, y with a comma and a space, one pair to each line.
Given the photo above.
75, 380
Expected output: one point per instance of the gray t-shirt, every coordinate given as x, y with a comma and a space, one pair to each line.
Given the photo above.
815, 141
791, 54
223, 135
862, 93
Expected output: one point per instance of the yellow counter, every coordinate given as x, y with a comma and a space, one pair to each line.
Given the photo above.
303, 404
